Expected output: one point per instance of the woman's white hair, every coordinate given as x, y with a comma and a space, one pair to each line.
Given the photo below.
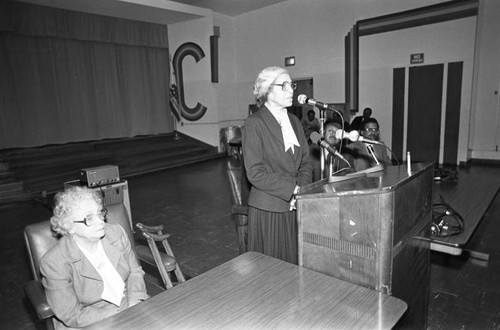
263, 83
65, 203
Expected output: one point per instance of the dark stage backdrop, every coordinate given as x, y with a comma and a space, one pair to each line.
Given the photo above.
67, 76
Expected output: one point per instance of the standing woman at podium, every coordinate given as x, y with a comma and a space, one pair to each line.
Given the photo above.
276, 157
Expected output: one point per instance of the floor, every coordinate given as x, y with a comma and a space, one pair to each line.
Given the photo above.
193, 202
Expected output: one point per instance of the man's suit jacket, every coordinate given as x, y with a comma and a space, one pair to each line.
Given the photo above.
357, 123
273, 172
73, 286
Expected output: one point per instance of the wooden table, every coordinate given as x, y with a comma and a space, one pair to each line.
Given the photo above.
255, 291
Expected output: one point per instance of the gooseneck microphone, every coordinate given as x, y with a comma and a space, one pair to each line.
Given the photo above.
354, 136
317, 139
303, 99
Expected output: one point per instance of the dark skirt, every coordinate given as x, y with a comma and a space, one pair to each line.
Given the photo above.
273, 234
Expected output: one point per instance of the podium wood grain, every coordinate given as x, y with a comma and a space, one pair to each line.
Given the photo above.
255, 291
368, 231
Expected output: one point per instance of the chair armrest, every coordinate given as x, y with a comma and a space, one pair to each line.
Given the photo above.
36, 295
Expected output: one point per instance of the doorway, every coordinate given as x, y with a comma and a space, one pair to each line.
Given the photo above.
431, 135
425, 95
304, 86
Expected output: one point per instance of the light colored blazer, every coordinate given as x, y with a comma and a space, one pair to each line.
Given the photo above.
273, 172
73, 286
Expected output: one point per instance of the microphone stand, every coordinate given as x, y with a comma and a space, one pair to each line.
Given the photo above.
369, 147
322, 112
376, 168
321, 132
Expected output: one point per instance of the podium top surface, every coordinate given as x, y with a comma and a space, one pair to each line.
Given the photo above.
384, 181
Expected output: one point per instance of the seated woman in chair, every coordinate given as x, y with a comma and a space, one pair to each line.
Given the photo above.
91, 273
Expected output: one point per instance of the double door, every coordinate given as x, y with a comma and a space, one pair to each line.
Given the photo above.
433, 112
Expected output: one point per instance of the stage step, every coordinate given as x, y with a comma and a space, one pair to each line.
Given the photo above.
6, 175
11, 187
13, 191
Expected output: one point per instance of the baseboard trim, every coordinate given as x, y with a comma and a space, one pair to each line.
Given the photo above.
479, 161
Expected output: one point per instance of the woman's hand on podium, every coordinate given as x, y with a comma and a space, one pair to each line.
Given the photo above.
294, 200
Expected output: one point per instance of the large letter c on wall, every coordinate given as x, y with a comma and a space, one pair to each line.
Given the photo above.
186, 49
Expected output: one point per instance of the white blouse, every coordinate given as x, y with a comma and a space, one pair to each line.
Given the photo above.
113, 284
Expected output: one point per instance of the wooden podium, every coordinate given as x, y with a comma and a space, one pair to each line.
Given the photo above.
368, 230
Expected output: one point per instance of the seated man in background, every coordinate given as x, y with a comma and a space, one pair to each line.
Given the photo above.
358, 122
362, 156
334, 165
310, 124
335, 116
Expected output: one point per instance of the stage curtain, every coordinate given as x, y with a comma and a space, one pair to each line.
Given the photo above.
60, 83
29, 19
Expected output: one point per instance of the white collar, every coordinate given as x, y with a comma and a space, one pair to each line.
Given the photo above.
289, 137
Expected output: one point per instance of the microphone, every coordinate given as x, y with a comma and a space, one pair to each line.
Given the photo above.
354, 136
341, 134
303, 99
316, 138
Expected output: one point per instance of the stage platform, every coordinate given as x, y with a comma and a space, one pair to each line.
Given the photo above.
27, 173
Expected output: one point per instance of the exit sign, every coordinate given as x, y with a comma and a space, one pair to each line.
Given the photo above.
417, 58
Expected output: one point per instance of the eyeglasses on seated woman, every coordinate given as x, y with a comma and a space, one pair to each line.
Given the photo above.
92, 272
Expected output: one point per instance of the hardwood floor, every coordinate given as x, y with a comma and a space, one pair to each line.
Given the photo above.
194, 201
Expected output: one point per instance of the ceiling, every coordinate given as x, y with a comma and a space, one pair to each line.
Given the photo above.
157, 11
230, 7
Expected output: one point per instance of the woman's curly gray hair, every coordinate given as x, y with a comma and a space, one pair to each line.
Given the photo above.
65, 203
263, 83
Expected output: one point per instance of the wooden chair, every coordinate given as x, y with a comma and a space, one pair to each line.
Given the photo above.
154, 234
240, 188
39, 238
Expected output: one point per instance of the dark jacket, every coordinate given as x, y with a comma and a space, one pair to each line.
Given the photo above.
272, 172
